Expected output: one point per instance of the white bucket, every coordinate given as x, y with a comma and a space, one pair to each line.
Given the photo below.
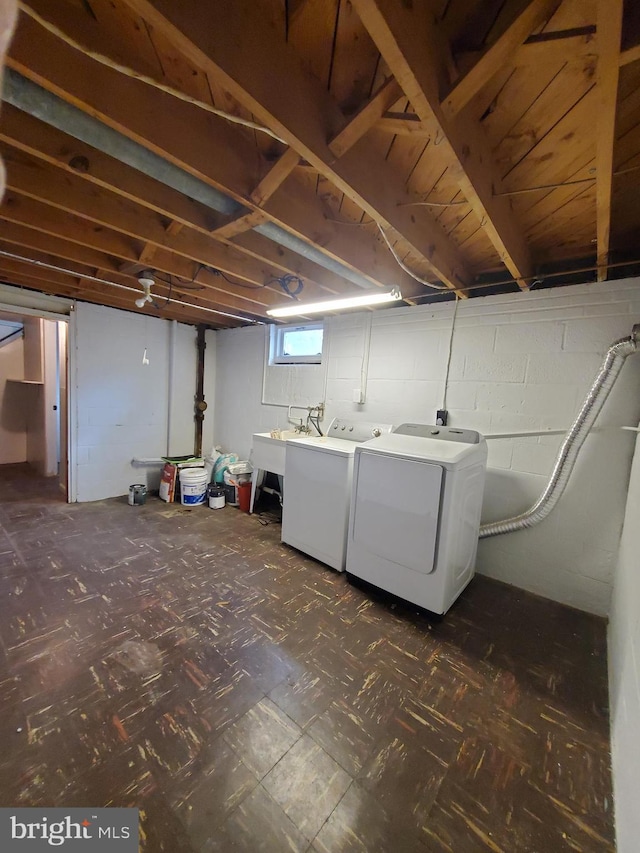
193, 486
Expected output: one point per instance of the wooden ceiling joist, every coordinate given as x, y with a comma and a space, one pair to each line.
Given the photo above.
609, 36
405, 124
79, 286
494, 58
73, 230
44, 142
630, 55
366, 117
300, 111
478, 135
238, 225
72, 194
275, 177
215, 152
268, 185
400, 32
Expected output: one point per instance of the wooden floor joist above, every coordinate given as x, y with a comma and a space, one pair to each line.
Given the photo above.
492, 143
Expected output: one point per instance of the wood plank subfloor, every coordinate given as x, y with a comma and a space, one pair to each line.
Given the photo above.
248, 698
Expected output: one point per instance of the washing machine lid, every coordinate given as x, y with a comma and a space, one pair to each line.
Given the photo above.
323, 444
449, 454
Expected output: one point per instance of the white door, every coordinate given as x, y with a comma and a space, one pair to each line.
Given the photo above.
396, 508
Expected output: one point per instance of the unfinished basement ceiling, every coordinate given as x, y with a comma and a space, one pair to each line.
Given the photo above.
494, 142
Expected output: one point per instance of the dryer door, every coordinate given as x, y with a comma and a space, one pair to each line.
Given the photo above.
396, 508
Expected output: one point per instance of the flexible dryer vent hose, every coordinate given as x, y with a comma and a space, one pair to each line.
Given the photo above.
598, 393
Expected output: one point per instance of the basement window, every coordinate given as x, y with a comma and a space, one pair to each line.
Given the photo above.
296, 344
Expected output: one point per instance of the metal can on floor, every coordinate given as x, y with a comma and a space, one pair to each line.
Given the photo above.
216, 496
137, 494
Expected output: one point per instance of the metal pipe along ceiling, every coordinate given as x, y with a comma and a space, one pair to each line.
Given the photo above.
49, 108
566, 460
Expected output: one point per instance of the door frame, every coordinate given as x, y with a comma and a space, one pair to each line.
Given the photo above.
71, 369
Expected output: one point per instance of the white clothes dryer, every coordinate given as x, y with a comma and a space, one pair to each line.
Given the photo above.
415, 512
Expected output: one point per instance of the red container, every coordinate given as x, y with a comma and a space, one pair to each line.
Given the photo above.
244, 496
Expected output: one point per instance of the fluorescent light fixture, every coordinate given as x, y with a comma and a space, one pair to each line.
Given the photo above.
371, 297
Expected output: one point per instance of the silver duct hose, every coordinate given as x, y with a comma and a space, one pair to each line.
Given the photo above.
598, 393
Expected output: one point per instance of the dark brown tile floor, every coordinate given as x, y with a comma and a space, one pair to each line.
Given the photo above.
248, 698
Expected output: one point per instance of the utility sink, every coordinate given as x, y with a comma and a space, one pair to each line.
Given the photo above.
268, 454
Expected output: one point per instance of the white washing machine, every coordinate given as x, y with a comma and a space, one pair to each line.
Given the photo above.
415, 515
317, 489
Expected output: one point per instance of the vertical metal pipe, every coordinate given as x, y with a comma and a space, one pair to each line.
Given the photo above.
200, 404
171, 379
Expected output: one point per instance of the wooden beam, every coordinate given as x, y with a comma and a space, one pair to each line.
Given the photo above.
72, 229
405, 124
301, 111
239, 224
147, 253
86, 291
404, 35
150, 249
268, 185
275, 177
70, 193
609, 34
552, 54
366, 117
632, 54
174, 227
500, 52
27, 134
219, 154
541, 55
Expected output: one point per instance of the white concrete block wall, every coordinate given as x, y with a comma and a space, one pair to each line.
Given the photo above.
624, 673
518, 362
183, 389
121, 404
239, 411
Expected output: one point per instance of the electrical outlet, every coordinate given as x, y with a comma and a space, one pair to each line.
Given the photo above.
442, 416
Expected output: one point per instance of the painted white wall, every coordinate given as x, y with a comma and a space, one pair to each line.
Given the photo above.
240, 360
181, 387
32, 349
13, 401
122, 405
624, 672
34, 373
518, 362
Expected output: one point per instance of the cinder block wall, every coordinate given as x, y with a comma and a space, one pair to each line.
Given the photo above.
518, 362
624, 673
122, 405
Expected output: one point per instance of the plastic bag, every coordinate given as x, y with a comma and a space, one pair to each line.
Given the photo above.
221, 464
